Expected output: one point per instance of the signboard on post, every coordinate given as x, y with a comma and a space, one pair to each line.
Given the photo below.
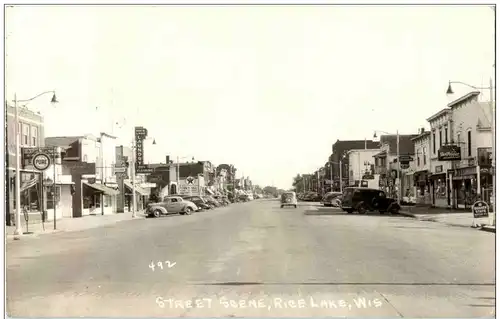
29, 153
41, 161
480, 209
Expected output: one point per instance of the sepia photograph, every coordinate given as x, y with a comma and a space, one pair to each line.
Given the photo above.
250, 159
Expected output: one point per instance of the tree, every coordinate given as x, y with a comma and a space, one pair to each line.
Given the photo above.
297, 184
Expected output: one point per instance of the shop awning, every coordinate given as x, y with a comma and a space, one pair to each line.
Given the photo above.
28, 184
138, 189
102, 189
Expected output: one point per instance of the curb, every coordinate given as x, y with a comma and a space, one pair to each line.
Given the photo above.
58, 231
430, 219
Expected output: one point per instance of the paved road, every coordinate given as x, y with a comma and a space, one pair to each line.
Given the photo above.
255, 259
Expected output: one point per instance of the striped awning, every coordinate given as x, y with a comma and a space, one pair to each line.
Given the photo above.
28, 184
102, 189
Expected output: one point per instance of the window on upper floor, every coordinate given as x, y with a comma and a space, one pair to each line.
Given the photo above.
433, 142
440, 138
26, 135
445, 135
469, 143
34, 136
418, 160
424, 152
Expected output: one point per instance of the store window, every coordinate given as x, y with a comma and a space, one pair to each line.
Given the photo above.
34, 136
440, 189
51, 199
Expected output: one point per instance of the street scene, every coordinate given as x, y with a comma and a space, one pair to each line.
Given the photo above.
256, 259
247, 161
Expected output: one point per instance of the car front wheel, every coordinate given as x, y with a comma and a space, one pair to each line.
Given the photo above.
394, 210
157, 213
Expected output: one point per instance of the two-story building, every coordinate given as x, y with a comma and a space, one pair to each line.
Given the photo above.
472, 175
422, 168
31, 129
386, 164
441, 124
92, 173
362, 168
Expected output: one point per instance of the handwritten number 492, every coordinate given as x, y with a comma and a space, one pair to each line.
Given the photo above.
167, 263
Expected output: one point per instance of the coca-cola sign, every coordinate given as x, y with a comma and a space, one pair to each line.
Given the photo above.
449, 153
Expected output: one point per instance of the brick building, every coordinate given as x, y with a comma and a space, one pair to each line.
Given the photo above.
31, 128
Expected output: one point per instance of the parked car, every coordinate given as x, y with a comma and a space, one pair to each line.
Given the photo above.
244, 198
332, 199
222, 200
199, 201
212, 201
289, 199
171, 205
362, 199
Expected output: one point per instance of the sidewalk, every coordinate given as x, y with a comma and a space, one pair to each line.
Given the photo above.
458, 218
71, 224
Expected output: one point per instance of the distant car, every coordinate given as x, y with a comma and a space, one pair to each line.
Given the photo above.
289, 199
332, 199
171, 205
362, 199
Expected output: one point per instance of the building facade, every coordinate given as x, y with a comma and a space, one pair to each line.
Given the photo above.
362, 168
472, 175
339, 151
95, 189
391, 178
31, 129
421, 190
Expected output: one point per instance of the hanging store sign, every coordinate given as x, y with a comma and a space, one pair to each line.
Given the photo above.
41, 161
140, 134
449, 153
143, 169
439, 169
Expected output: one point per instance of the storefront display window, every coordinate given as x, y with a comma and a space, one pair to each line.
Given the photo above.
440, 188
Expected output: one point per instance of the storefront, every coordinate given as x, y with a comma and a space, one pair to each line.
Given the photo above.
98, 198
142, 196
439, 189
465, 186
422, 186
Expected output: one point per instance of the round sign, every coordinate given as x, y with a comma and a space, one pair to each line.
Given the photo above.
41, 161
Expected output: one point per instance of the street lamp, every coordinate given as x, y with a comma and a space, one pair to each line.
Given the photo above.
134, 199
340, 170
492, 113
19, 230
397, 156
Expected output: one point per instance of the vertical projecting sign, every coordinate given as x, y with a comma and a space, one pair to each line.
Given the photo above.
140, 134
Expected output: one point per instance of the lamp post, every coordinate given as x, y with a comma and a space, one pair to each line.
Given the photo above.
399, 162
134, 198
19, 230
492, 113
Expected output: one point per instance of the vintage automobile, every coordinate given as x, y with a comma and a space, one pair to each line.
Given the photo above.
332, 199
289, 199
362, 199
199, 201
171, 205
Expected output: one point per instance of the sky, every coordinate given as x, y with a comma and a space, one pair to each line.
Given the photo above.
266, 88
